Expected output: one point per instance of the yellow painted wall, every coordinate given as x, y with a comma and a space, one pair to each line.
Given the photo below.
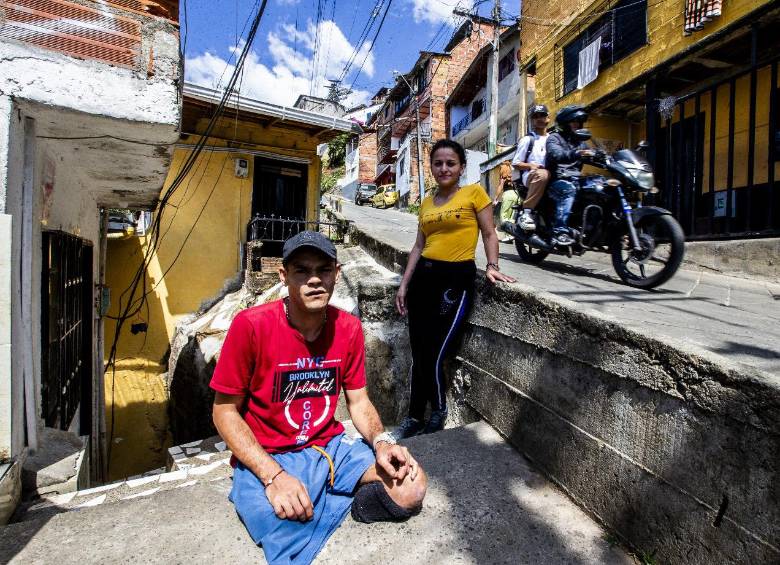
549, 24
203, 231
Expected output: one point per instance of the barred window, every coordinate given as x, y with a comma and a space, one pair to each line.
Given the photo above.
622, 29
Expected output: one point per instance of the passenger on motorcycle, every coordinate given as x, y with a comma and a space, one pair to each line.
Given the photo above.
507, 195
529, 165
564, 161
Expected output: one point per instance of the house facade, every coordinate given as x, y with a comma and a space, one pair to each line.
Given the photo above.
697, 80
360, 160
468, 106
423, 90
260, 161
100, 79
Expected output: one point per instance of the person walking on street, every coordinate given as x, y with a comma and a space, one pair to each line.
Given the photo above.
437, 288
529, 164
507, 196
564, 160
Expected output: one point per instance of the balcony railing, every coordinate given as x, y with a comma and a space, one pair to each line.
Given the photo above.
461, 125
272, 229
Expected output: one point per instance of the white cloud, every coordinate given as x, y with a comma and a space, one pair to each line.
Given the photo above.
292, 68
437, 11
288, 2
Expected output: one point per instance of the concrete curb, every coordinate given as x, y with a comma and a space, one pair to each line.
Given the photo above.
671, 446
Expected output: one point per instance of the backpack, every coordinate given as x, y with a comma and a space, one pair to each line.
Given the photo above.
530, 148
528, 154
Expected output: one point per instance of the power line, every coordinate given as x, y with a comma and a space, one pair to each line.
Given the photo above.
375, 11
373, 41
133, 304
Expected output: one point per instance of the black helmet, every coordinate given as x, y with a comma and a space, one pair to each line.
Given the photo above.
568, 114
538, 109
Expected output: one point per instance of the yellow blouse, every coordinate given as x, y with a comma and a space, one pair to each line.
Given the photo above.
451, 230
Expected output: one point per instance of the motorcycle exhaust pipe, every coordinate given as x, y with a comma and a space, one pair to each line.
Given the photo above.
533, 240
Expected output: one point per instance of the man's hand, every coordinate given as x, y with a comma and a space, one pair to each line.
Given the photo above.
534, 166
289, 498
396, 461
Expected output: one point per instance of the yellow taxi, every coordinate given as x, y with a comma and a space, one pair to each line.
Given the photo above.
386, 196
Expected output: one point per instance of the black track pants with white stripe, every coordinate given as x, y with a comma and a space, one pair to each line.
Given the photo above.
439, 300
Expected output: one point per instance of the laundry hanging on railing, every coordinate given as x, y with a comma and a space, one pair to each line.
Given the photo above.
589, 63
699, 12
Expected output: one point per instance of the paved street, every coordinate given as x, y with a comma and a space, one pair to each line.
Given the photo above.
737, 318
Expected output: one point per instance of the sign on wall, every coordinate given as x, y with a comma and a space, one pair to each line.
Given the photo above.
721, 204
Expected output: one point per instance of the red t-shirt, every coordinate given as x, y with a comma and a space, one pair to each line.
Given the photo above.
291, 386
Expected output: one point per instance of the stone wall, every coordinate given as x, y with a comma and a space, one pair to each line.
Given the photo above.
673, 448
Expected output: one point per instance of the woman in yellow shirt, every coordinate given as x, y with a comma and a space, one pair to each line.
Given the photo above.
437, 289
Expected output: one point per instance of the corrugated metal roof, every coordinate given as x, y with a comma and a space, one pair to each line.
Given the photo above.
74, 29
282, 113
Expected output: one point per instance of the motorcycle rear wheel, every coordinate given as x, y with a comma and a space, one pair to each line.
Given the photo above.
663, 247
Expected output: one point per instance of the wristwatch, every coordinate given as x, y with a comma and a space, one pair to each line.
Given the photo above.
386, 437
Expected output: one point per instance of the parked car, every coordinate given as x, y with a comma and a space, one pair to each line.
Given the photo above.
385, 196
364, 193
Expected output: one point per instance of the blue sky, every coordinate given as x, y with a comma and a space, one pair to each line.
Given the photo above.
281, 64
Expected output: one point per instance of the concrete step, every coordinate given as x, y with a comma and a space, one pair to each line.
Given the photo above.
208, 463
485, 504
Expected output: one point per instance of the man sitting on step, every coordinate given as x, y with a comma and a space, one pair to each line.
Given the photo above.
277, 382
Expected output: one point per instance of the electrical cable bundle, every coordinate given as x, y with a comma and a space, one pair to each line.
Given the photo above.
135, 304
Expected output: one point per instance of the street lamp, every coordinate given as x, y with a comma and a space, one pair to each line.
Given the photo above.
420, 178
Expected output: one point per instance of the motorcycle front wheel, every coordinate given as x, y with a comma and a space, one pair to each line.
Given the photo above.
662, 245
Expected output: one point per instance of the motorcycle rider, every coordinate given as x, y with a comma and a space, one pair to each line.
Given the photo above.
564, 161
529, 164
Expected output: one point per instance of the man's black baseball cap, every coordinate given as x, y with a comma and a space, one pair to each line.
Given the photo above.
540, 109
308, 239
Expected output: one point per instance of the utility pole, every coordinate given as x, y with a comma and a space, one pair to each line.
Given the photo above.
420, 175
493, 132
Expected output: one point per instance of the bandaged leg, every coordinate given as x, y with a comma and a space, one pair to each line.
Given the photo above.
372, 503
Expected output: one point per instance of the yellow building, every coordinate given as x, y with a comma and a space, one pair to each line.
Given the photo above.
696, 79
260, 160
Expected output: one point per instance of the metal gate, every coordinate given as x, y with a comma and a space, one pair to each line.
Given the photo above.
66, 376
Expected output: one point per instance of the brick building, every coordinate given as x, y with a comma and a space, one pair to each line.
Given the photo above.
360, 159
426, 86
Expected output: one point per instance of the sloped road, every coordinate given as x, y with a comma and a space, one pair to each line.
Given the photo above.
736, 318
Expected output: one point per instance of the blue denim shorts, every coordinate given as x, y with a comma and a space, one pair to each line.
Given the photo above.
288, 541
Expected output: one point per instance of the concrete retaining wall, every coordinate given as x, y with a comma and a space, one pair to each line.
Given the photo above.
673, 449
755, 258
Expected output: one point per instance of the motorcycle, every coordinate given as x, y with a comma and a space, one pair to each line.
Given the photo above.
646, 243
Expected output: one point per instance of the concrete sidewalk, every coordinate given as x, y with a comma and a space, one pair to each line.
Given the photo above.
485, 504
736, 318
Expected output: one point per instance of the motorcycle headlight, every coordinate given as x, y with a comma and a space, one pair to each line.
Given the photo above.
645, 179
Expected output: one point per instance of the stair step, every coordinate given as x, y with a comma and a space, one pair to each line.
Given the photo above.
133, 488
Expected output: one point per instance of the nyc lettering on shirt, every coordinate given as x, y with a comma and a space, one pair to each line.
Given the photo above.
312, 381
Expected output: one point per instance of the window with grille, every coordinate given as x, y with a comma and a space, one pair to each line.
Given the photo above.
477, 108
506, 65
622, 29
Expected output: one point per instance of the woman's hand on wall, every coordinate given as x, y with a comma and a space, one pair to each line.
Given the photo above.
400, 300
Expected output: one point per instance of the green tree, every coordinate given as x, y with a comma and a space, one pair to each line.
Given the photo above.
337, 150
